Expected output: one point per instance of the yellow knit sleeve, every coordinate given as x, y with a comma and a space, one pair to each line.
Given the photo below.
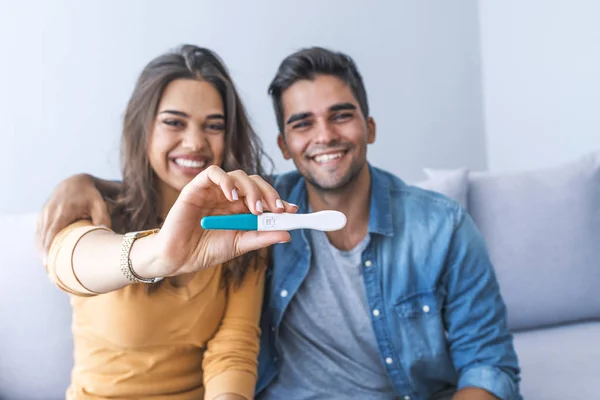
60, 257
231, 359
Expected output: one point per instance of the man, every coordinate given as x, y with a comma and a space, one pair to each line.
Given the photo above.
402, 303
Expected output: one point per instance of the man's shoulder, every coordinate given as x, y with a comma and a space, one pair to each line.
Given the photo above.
415, 201
403, 191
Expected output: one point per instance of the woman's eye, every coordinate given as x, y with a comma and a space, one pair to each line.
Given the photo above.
216, 127
174, 123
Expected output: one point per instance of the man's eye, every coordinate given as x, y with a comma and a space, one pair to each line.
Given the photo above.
302, 124
343, 116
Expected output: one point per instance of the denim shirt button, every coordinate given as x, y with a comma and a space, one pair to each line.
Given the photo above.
368, 263
283, 293
376, 312
389, 360
407, 397
426, 308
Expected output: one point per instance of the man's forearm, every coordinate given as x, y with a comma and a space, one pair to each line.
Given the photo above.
473, 394
108, 189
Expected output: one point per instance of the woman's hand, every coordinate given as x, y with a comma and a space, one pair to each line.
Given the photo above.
183, 246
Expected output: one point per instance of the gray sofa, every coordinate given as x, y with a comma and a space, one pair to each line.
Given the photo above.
542, 229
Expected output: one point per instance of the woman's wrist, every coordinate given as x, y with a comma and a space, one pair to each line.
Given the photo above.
144, 258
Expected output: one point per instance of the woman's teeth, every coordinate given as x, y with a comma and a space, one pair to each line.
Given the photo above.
189, 163
328, 157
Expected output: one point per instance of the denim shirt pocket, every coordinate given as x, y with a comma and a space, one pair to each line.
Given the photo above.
421, 324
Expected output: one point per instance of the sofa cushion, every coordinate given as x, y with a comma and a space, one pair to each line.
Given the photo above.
36, 351
452, 183
559, 363
542, 228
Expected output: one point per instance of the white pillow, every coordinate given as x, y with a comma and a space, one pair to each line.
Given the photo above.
452, 183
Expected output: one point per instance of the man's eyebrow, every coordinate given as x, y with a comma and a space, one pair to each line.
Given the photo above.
342, 106
298, 117
335, 107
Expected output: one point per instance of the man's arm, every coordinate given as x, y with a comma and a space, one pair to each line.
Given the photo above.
78, 197
108, 189
480, 343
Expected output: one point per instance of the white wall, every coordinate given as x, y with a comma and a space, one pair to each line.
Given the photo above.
541, 66
68, 68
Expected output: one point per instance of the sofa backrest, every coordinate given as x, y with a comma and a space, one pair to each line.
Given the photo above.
542, 229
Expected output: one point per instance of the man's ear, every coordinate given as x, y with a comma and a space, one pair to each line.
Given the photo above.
371, 126
283, 146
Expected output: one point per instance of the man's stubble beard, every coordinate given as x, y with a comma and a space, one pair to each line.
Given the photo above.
350, 177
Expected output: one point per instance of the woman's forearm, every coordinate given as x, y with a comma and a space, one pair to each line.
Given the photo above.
230, 396
96, 260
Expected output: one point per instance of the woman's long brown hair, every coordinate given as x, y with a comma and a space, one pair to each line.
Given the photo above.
138, 206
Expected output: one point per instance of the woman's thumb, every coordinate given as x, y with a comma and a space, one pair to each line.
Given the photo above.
253, 240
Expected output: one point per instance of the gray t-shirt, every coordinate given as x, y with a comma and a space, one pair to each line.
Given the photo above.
327, 344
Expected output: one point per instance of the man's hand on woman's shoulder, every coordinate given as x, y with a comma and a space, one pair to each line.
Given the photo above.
73, 199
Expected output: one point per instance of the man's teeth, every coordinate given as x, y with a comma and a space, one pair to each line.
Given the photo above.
189, 163
328, 157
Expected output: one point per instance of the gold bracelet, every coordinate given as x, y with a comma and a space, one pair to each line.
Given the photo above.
125, 261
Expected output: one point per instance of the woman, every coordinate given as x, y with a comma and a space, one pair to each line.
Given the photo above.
172, 313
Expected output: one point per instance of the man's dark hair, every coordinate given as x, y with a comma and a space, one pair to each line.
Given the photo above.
308, 64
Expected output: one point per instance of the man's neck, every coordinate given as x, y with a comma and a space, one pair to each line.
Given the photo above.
354, 201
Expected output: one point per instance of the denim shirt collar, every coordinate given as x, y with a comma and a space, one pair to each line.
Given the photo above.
380, 211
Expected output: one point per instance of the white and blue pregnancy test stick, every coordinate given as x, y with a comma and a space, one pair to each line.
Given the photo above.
327, 220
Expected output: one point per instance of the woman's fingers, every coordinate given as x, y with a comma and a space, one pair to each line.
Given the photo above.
289, 207
251, 193
256, 193
207, 179
271, 197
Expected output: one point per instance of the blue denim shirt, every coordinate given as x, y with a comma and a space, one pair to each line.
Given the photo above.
437, 313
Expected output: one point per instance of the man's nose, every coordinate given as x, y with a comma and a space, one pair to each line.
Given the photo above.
325, 132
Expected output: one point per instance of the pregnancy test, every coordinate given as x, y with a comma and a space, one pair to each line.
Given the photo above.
328, 220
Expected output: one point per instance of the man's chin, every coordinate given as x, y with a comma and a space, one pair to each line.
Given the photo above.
330, 184
333, 182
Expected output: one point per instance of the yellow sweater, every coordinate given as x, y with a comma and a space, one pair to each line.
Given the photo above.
176, 343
